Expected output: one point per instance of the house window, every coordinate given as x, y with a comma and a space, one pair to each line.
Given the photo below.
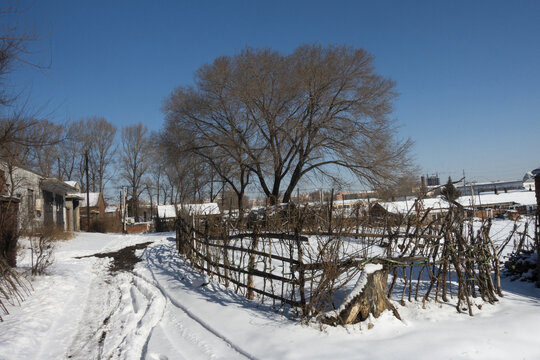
31, 202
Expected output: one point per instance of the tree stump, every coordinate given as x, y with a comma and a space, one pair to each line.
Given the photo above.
367, 297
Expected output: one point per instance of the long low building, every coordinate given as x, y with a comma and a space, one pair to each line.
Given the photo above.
169, 211
488, 203
492, 186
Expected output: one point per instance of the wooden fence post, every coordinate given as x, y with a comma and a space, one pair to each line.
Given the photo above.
301, 275
251, 265
178, 234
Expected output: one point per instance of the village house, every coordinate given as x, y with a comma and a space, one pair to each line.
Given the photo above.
96, 207
528, 181
43, 201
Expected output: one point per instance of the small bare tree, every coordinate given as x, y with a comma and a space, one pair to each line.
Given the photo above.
42, 245
134, 159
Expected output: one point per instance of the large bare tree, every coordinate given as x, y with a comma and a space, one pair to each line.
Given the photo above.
96, 136
102, 149
70, 156
15, 123
24, 138
134, 159
45, 159
284, 117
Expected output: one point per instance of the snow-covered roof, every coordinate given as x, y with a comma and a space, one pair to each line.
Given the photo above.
354, 201
518, 197
168, 211
403, 206
72, 183
93, 196
111, 208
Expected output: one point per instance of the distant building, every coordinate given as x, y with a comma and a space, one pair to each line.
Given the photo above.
528, 181
353, 195
492, 186
433, 180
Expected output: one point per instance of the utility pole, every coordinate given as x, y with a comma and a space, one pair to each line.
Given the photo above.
464, 181
87, 192
472, 200
536, 174
124, 207
121, 207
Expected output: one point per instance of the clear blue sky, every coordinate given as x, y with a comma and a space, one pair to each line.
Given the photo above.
468, 72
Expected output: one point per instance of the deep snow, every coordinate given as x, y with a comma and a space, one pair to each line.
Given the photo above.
165, 310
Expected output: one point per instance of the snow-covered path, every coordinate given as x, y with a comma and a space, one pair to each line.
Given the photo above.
82, 311
164, 310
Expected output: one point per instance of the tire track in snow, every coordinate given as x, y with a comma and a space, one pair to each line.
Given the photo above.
103, 298
142, 309
180, 336
204, 325
124, 309
120, 314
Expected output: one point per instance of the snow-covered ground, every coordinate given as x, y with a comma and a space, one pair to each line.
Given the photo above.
165, 310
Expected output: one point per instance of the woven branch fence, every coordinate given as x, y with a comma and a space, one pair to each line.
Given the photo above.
307, 260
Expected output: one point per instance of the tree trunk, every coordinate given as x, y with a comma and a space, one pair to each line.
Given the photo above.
240, 199
367, 297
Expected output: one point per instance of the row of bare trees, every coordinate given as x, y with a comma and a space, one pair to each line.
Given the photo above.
258, 118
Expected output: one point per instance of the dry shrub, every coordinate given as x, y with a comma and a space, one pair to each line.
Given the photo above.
59, 234
13, 287
42, 246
